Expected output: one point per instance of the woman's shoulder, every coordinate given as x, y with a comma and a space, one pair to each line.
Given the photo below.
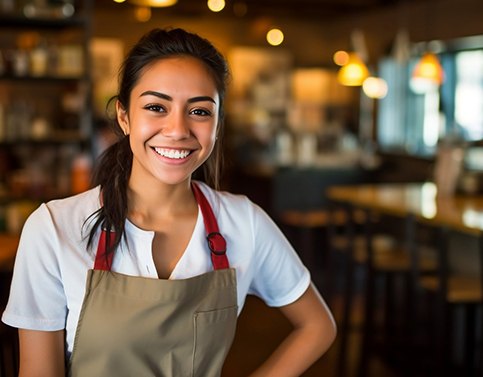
58, 222
85, 201
66, 211
225, 200
237, 209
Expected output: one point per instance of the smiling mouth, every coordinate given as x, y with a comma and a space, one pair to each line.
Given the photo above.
175, 154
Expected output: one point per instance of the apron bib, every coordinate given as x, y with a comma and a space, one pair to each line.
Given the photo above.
135, 326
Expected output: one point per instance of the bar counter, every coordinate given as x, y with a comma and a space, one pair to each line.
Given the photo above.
459, 212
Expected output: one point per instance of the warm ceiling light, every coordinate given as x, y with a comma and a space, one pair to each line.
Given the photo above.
154, 3
341, 57
375, 87
216, 5
354, 72
142, 14
275, 37
119, 1
429, 68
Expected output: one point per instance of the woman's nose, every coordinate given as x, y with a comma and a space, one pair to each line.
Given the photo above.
176, 126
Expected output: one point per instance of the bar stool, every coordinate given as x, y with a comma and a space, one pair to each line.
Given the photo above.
451, 291
383, 256
308, 227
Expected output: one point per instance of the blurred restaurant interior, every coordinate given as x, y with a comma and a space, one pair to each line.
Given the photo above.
356, 124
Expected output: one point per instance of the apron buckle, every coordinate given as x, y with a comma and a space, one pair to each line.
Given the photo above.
216, 243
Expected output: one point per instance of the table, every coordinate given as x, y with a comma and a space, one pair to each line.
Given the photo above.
417, 203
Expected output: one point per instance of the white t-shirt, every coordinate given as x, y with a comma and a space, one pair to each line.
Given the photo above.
52, 261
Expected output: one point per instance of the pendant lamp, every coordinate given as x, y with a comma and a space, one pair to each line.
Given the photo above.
154, 3
427, 75
429, 68
354, 72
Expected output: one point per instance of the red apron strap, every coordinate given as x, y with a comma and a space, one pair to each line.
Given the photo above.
216, 242
103, 260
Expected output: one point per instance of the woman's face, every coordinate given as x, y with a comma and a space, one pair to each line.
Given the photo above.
172, 120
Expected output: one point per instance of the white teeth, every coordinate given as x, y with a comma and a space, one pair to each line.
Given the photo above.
172, 153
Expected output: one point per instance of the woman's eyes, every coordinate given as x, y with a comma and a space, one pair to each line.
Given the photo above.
155, 108
200, 112
161, 109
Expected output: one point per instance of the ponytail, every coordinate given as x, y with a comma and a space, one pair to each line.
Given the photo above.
112, 175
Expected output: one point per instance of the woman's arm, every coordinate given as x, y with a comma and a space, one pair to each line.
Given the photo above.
41, 353
313, 333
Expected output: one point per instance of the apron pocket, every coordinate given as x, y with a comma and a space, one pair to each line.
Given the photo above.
213, 335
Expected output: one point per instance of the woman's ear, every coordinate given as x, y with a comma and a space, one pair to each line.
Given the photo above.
122, 118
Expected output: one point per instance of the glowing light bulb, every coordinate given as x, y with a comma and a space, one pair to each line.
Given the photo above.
375, 87
275, 37
142, 14
216, 5
341, 57
354, 72
154, 3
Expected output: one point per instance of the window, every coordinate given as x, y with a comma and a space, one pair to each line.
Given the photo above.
469, 94
412, 123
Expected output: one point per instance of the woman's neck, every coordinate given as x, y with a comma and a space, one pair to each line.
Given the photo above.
149, 205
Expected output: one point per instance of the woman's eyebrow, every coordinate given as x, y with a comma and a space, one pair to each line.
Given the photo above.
156, 94
201, 99
169, 98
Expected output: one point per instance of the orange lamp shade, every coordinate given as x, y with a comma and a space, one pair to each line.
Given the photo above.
154, 3
429, 68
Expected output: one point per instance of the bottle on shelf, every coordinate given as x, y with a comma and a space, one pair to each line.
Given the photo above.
45, 109
81, 173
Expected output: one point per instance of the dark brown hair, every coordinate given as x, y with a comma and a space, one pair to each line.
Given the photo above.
114, 167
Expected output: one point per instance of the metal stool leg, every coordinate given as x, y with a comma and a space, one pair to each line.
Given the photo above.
347, 301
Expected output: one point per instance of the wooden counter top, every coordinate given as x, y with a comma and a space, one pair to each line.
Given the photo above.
459, 212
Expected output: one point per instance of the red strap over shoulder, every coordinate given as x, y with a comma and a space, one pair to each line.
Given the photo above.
103, 260
216, 242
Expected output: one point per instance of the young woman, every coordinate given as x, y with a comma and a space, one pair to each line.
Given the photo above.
145, 274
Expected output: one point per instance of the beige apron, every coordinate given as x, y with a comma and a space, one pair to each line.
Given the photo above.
135, 326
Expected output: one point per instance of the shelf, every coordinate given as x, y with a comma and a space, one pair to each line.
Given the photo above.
55, 106
45, 78
59, 137
19, 21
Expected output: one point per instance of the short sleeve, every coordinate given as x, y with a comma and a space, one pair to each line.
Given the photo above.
280, 277
37, 300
